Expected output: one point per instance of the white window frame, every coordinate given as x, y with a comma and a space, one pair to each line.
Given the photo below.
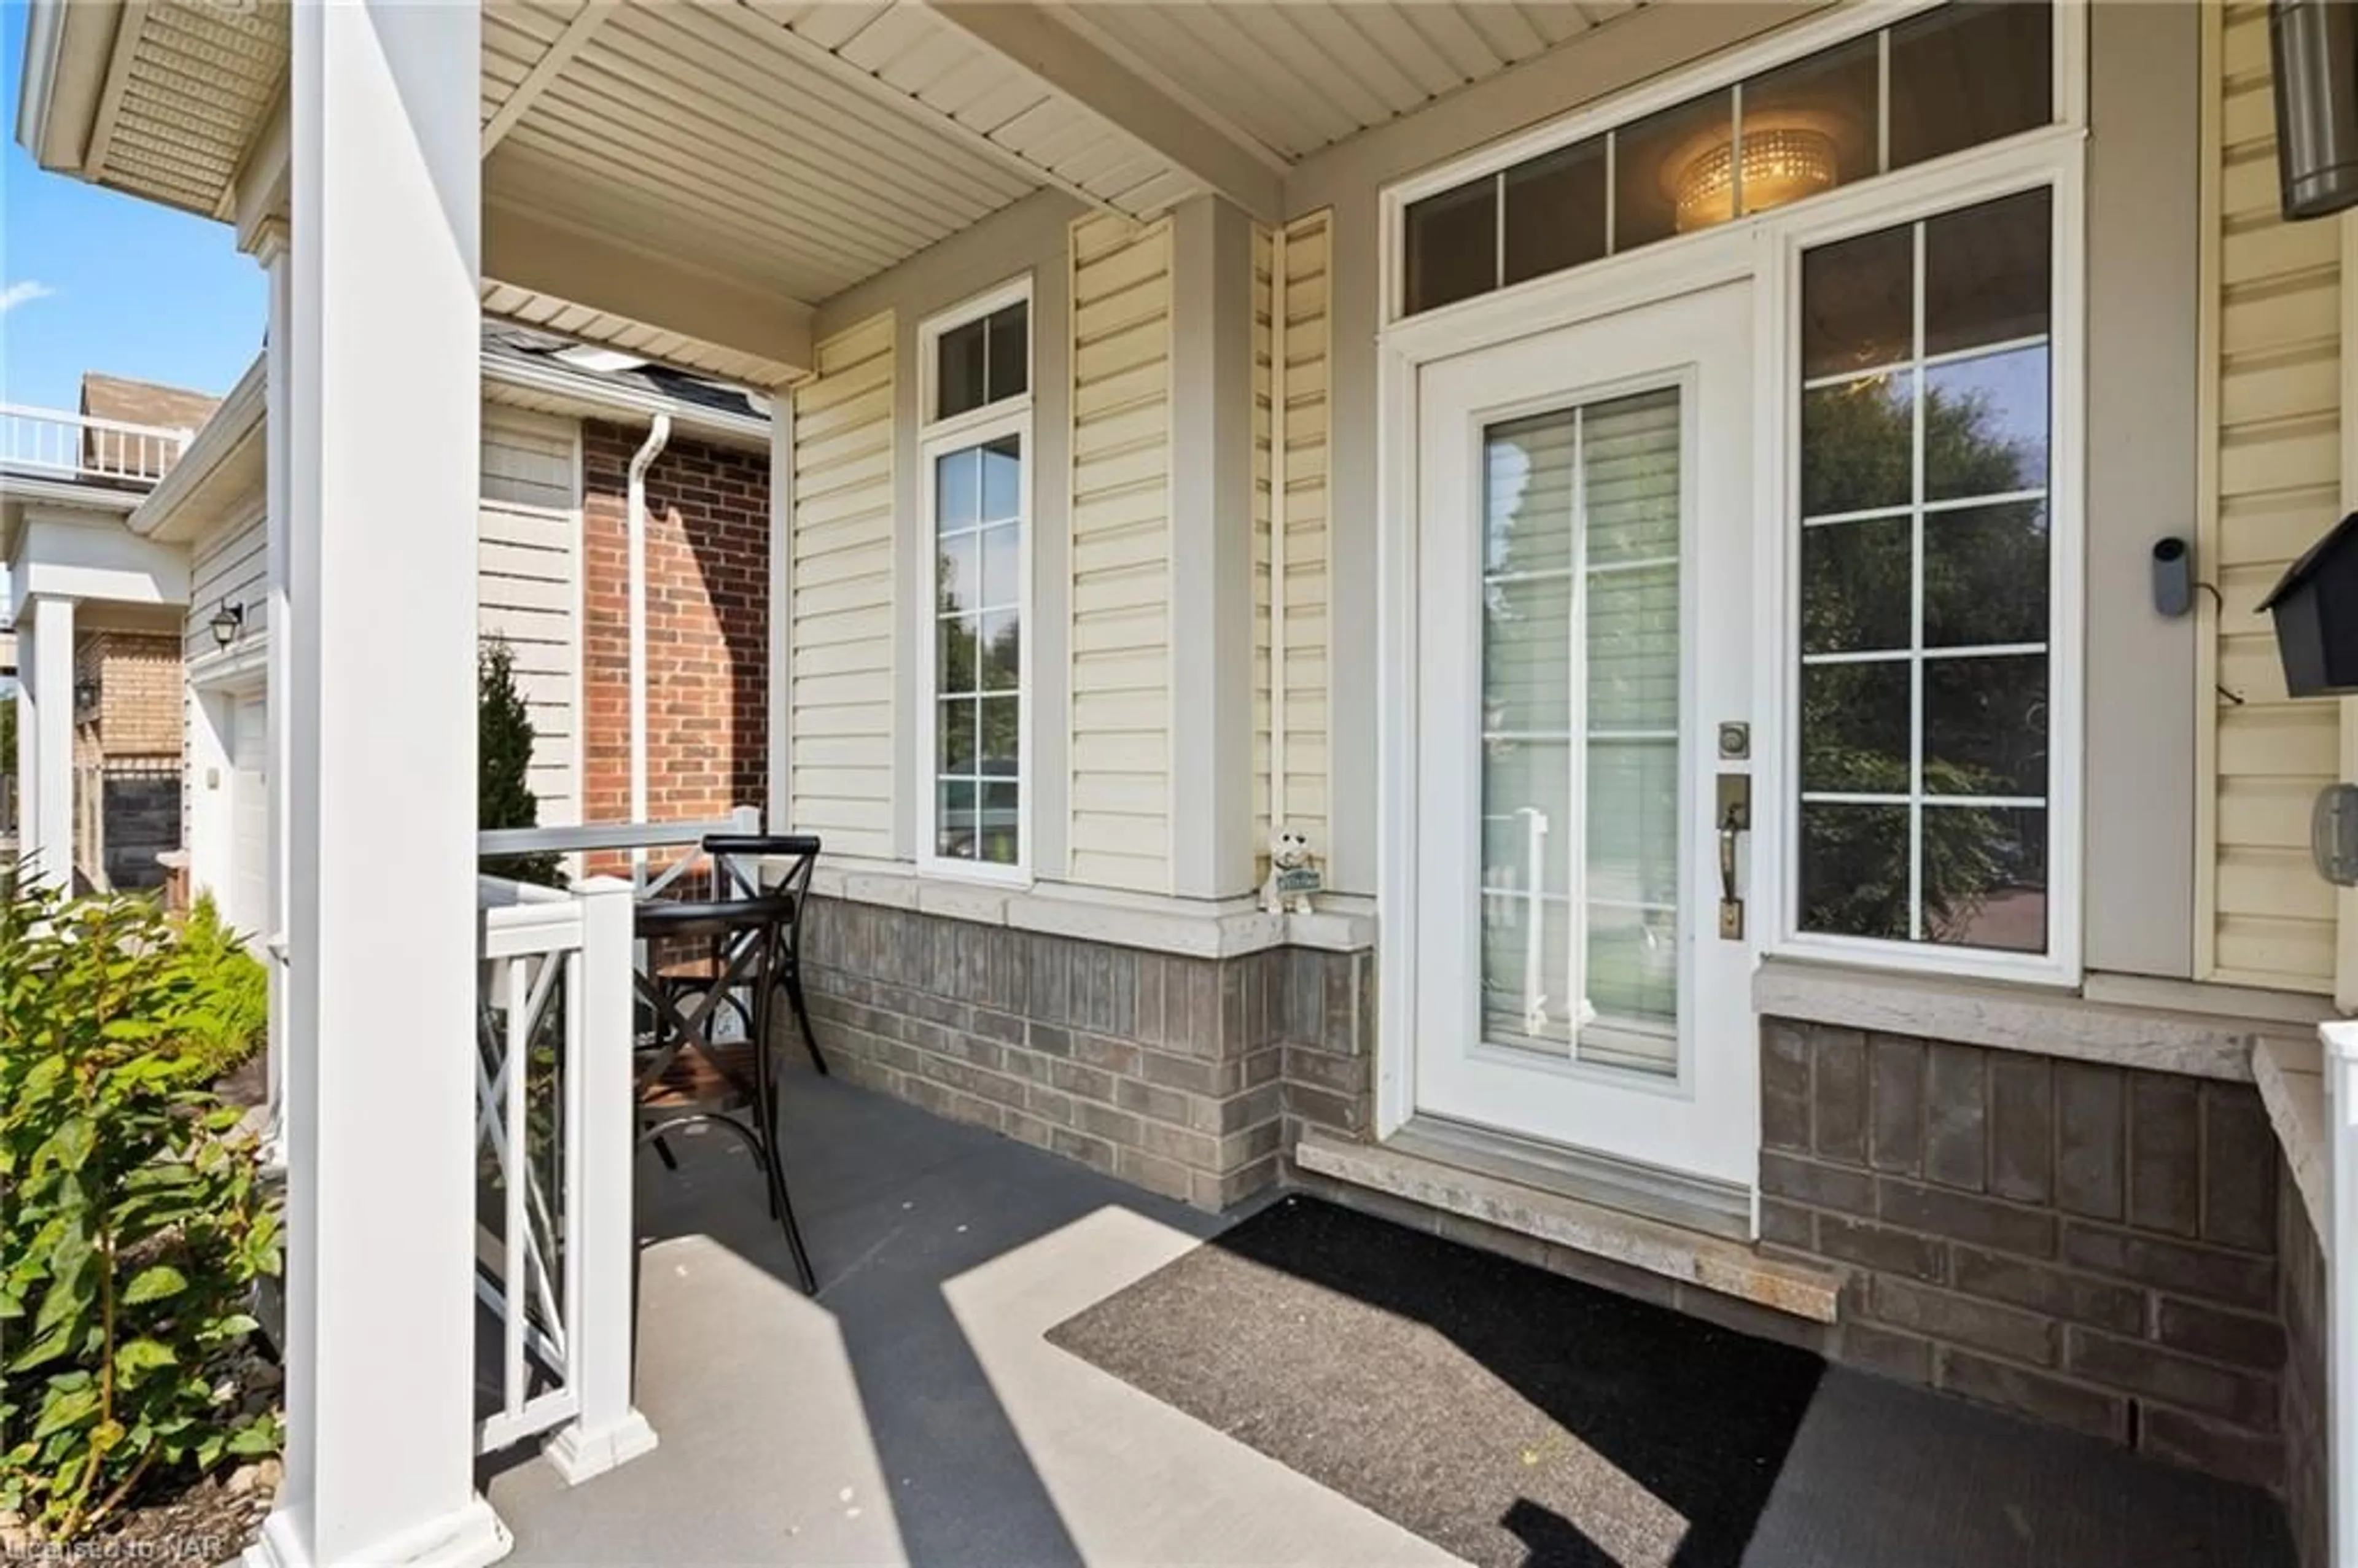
937, 439
2055, 162
1718, 73
1765, 249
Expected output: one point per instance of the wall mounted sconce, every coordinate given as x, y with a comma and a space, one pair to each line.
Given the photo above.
86, 695
229, 624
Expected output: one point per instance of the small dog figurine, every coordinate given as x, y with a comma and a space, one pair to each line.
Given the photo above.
1289, 850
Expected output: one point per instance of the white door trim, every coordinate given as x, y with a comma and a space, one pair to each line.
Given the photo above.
1608, 287
1767, 250
1703, 1121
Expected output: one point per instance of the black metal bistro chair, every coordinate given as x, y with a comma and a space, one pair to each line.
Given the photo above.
737, 863
687, 1072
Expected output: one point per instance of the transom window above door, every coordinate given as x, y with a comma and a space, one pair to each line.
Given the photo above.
1954, 77
983, 361
975, 722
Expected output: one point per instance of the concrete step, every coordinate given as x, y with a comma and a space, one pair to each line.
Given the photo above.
1707, 1262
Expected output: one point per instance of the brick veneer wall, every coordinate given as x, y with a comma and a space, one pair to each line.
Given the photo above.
138, 675
2307, 1456
2089, 1245
708, 569
127, 757
1181, 1075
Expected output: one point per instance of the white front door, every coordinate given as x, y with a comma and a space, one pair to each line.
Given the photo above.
1585, 607
249, 882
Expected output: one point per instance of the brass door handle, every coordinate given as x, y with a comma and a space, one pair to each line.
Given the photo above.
1735, 817
1730, 825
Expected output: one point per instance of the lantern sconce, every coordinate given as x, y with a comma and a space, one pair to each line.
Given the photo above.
86, 695
228, 624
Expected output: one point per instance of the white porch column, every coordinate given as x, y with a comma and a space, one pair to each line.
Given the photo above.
382, 410
271, 251
29, 747
780, 696
44, 650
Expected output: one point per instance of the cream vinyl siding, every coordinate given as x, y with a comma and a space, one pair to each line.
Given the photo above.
1121, 580
1264, 302
841, 637
2272, 441
230, 565
1305, 508
529, 580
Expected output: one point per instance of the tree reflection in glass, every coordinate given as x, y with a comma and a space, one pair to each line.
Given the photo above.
979, 646
1924, 564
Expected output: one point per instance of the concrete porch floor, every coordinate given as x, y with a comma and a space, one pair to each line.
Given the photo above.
914, 1412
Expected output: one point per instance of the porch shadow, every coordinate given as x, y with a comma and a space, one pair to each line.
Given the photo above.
764, 1398
1511, 1416
1517, 1418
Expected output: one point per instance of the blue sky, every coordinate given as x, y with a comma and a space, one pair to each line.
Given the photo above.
94, 279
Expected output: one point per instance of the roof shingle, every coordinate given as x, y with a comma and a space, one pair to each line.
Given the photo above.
143, 401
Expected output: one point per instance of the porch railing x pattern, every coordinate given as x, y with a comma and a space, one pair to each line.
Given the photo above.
53, 443
556, 1140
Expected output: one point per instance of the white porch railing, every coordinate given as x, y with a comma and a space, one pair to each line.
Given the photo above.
554, 1141
634, 837
53, 443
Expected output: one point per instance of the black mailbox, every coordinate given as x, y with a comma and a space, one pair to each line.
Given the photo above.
2315, 611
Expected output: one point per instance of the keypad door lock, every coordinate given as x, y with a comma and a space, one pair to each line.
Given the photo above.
1733, 820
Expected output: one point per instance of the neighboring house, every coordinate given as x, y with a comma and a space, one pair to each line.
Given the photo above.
558, 436
102, 614
126, 762
1663, 496
553, 582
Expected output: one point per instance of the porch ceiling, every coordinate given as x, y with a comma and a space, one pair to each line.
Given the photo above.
800, 148
1303, 75
688, 180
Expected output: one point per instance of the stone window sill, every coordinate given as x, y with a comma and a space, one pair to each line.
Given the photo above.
1198, 928
2016, 1018
2291, 1076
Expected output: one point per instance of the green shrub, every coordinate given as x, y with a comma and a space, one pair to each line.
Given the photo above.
504, 737
228, 1015
133, 1221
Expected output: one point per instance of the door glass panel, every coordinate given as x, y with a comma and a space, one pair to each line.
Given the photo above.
1581, 671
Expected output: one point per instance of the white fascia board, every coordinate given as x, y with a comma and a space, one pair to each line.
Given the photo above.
165, 513
257, 191
63, 555
594, 396
23, 491
69, 48
20, 497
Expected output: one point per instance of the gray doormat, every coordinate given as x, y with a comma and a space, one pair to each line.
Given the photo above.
1508, 1415
1516, 1418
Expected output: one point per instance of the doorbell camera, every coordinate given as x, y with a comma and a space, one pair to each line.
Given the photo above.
2173, 577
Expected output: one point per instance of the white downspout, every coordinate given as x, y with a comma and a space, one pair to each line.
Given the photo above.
1277, 436
658, 437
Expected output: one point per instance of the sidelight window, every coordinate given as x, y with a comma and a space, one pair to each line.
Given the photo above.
976, 457
1924, 736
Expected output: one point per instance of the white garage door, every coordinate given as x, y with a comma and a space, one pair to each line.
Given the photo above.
249, 818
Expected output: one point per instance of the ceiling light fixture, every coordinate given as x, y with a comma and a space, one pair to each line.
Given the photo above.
1779, 166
